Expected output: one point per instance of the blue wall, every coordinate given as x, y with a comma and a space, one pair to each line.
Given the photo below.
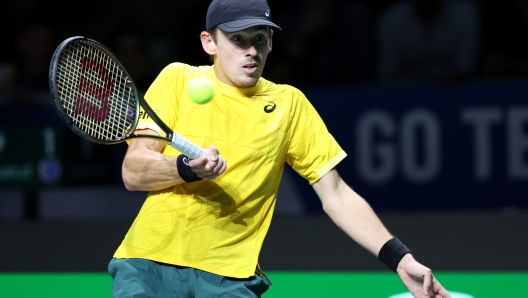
426, 147
432, 147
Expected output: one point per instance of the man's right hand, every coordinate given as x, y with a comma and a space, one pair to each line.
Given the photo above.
210, 167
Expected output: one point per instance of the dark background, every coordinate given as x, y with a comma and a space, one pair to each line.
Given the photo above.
456, 194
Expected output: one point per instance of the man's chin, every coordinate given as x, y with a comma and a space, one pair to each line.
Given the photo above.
248, 82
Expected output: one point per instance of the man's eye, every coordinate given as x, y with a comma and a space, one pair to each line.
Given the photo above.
262, 38
237, 38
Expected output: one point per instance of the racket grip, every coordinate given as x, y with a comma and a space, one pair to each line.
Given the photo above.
186, 147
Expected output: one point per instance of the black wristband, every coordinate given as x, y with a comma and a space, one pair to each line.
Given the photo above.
392, 252
182, 163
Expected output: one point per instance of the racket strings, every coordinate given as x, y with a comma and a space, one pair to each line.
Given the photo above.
95, 92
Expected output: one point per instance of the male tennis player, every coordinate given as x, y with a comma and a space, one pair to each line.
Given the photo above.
201, 228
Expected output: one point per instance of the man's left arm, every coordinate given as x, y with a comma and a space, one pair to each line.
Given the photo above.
356, 218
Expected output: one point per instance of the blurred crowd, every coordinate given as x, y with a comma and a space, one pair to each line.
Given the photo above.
323, 42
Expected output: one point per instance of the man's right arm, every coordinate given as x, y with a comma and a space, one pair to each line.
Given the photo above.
145, 168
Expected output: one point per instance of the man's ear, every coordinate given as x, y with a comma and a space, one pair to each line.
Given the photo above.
270, 40
208, 43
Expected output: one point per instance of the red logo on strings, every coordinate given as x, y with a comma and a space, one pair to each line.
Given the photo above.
86, 86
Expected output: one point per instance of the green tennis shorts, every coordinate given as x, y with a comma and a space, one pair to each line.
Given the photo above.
140, 278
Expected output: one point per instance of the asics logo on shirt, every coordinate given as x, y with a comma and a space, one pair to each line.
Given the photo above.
270, 108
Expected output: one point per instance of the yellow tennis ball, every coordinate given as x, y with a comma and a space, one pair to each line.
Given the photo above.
200, 90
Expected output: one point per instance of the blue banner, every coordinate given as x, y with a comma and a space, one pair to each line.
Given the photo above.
431, 147
409, 147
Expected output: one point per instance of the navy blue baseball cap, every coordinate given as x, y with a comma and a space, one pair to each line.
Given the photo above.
237, 15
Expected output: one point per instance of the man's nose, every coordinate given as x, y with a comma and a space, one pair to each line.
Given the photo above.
251, 50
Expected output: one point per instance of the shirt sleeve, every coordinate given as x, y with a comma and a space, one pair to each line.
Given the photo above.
313, 151
162, 96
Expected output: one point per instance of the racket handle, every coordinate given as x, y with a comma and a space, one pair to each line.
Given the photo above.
186, 147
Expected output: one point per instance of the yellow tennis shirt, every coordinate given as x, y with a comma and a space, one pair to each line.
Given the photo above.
219, 226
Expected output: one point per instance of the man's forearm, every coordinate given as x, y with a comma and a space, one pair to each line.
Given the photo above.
147, 170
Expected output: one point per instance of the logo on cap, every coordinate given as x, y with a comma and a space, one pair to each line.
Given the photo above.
238, 15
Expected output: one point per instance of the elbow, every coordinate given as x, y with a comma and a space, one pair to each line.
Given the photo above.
129, 185
331, 207
128, 181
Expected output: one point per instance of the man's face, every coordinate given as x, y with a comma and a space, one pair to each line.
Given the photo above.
240, 56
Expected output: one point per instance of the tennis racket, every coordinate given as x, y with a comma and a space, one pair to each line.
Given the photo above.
96, 97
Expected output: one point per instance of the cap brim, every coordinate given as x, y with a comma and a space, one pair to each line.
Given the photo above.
244, 24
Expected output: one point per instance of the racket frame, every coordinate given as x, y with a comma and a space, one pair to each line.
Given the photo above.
171, 137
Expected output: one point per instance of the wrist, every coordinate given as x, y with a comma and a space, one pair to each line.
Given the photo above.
405, 260
392, 252
184, 169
